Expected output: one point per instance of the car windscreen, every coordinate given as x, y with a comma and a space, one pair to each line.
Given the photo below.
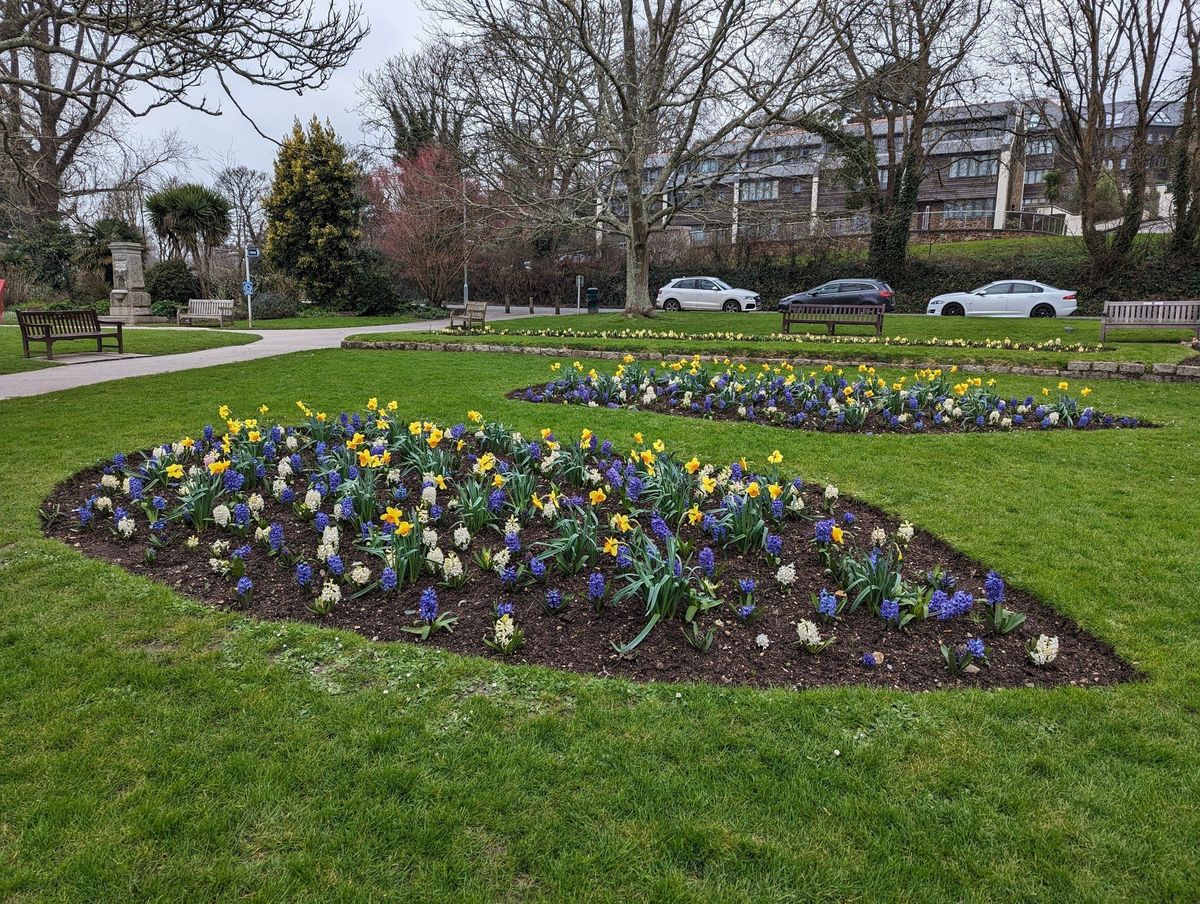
721, 284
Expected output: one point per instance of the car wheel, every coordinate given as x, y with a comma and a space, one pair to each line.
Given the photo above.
1043, 310
731, 306
954, 309
671, 304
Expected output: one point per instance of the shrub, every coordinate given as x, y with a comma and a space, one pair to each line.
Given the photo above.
169, 283
274, 305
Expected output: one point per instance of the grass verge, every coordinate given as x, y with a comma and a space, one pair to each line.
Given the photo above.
137, 341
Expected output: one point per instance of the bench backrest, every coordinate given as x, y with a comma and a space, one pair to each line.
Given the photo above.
210, 306
476, 309
1186, 312
60, 322
856, 312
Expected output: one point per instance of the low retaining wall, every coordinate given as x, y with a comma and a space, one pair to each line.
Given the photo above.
1107, 370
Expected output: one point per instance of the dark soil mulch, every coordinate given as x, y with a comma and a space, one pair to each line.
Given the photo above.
579, 639
1193, 361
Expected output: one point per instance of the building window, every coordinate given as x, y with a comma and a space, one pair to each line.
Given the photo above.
1031, 203
1124, 162
1035, 176
969, 209
760, 190
697, 235
707, 166
968, 167
883, 177
1040, 147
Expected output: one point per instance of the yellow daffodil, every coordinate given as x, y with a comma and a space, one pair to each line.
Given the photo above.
621, 523
474, 417
393, 405
637, 438
439, 480
219, 467
391, 516
695, 516
498, 480
596, 497
692, 466
263, 409
435, 437
659, 446
486, 462
372, 404
1063, 385
537, 502
775, 458
404, 528
774, 490
355, 441
187, 442
254, 436
223, 411
708, 484
611, 546
1086, 391
585, 437
752, 489
838, 534
175, 471
628, 359
414, 428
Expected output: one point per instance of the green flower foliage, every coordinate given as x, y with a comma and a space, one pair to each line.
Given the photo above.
313, 214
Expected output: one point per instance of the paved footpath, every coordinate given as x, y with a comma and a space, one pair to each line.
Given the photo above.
272, 343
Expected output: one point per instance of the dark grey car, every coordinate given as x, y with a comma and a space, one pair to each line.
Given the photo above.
845, 291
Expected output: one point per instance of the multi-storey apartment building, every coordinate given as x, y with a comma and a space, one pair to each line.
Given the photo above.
986, 169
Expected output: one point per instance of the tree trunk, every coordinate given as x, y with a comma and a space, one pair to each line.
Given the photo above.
637, 263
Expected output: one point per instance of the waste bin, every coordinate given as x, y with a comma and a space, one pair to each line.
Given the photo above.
593, 296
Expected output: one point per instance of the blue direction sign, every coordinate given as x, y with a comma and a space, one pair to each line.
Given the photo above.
252, 251
248, 287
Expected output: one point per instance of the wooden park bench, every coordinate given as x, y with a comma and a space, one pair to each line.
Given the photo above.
49, 327
472, 315
1132, 314
218, 309
834, 315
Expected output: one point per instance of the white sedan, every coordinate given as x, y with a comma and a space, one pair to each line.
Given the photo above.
1007, 298
705, 293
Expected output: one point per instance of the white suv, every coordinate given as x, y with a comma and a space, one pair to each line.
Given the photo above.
705, 293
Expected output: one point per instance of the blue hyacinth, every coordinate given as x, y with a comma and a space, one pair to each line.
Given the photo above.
335, 566
869, 660
708, 561
304, 574
512, 542
275, 536
975, 647
746, 585
774, 545
890, 610
827, 603
554, 600
428, 608
504, 608
823, 531
244, 586
994, 589
596, 586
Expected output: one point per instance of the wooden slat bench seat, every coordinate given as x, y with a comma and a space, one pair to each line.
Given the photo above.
471, 316
1132, 314
834, 315
49, 327
218, 309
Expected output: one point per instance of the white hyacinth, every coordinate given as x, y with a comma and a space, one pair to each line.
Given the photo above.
278, 486
504, 630
1044, 650
429, 538
462, 537
786, 575
429, 495
324, 551
126, 527
192, 542
102, 504
221, 515
331, 536
452, 566
831, 492
292, 443
262, 534
435, 557
360, 573
879, 536
393, 476
284, 469
500, 559
312, 500
512, 525
220, 547
110, 482
808, 633
331, 594
256, 503
762, 641
905, 531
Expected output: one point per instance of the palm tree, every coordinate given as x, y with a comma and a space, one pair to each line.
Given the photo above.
190, 220
93, 252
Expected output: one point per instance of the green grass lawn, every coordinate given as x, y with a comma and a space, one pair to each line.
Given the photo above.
1146, 346
151, 748
137, 341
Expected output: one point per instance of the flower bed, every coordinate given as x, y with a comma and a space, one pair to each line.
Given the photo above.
1050, 345
935, 401
609, 559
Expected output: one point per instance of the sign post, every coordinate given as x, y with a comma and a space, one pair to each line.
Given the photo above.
248, 284
578, 293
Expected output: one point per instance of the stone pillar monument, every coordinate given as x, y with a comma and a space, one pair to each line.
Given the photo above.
129, 301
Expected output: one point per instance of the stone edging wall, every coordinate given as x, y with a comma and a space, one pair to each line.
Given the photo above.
1108, 370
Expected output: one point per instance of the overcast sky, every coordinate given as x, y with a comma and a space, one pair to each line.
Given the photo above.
395, 25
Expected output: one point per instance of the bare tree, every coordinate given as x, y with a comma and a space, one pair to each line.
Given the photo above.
914, 59
1106, 67
1185, 144
668, 95
417, 98
245, 188
67, 66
